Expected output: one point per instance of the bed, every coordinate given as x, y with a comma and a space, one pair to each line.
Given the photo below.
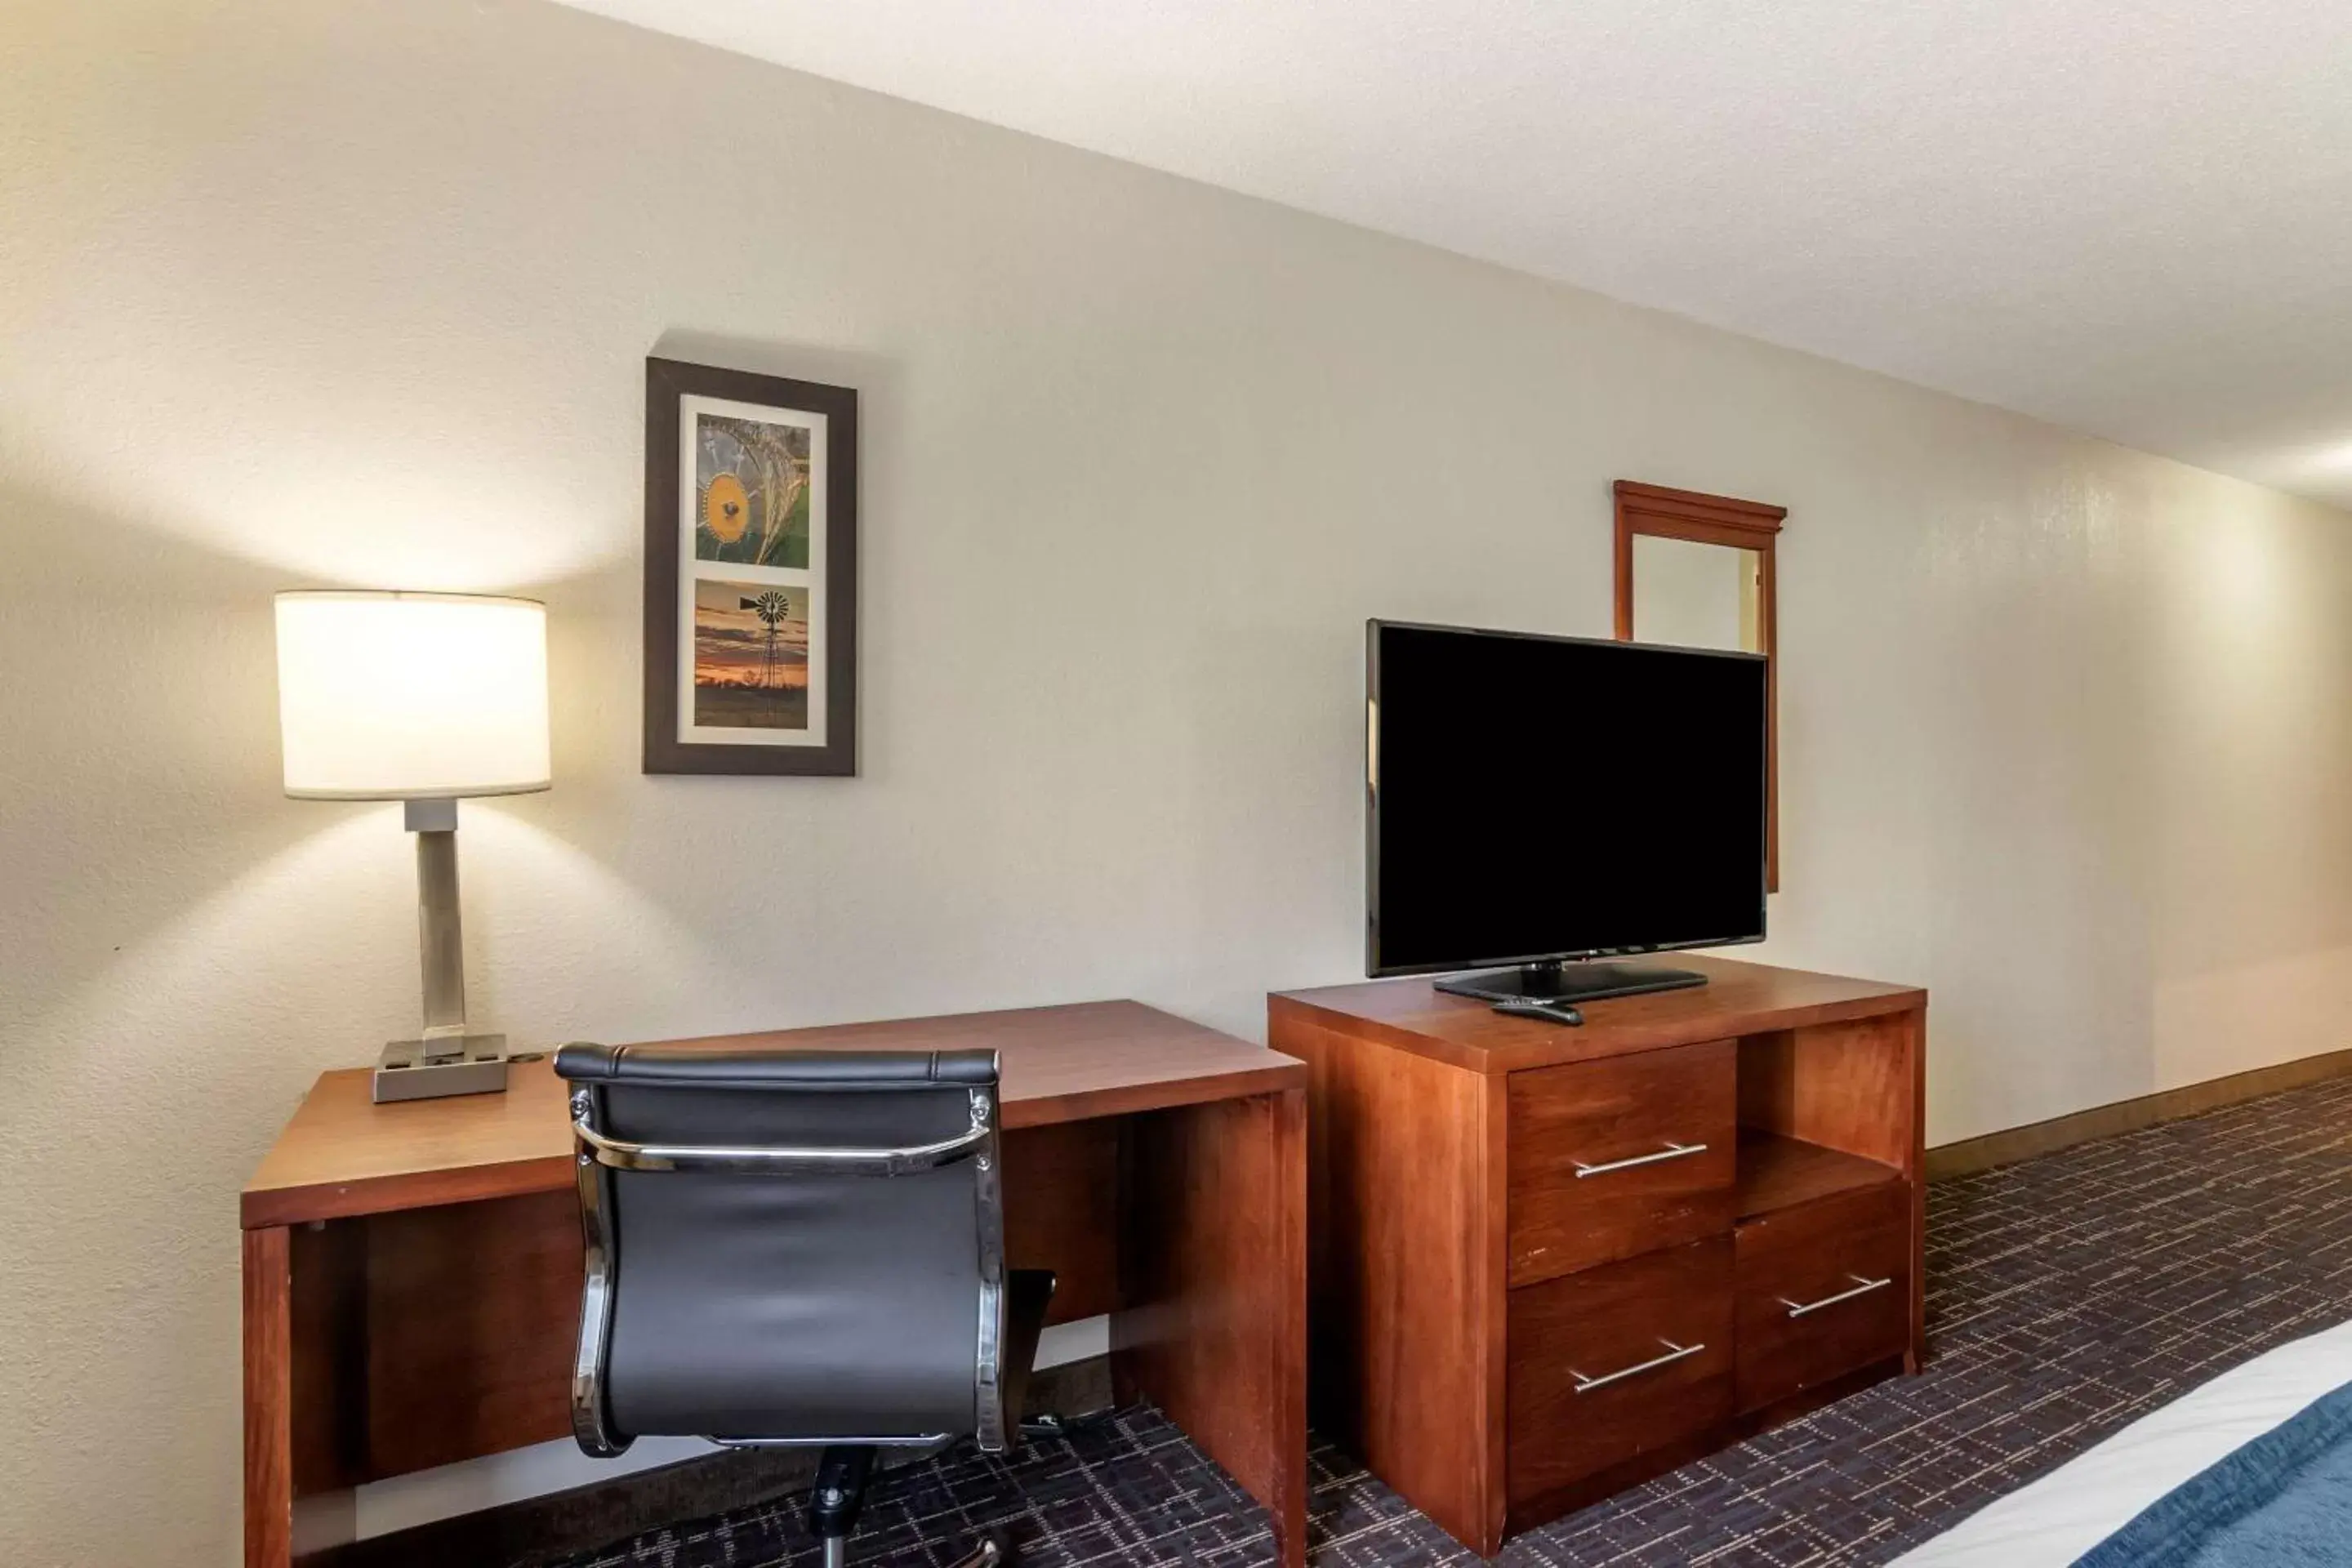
2252, 1468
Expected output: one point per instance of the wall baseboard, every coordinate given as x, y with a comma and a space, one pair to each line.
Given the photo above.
543, 1530
2012, 1144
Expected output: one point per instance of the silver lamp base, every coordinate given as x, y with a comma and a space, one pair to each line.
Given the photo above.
474, 1065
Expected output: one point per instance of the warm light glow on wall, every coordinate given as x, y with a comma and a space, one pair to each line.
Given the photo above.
2333, 462
385, 695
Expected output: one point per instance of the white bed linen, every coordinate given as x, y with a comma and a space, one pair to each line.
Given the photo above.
2055, 1519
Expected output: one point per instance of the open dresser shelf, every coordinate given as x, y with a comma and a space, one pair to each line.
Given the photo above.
1776, 1173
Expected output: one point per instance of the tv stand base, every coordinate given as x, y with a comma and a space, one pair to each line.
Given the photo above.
1569, 981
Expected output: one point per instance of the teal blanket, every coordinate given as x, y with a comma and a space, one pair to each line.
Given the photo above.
2282, 1500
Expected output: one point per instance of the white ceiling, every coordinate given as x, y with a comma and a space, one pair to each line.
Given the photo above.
2132, 218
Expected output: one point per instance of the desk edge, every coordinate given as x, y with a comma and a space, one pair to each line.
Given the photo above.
260, 1207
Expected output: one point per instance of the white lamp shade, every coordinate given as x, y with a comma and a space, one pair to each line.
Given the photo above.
388, 696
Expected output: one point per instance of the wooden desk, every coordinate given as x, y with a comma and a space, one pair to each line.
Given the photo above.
413, 1271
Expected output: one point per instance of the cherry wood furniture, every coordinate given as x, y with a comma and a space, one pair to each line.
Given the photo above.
1735, 524
413, 1271
1546, 1263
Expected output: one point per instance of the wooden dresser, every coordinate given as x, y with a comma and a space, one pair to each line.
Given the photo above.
1548, 1263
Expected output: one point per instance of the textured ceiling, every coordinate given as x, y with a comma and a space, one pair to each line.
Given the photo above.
2132, 218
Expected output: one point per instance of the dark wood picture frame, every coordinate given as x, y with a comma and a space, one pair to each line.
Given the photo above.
667, 382
1736, 524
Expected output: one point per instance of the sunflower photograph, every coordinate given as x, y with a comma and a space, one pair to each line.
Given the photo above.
751, 489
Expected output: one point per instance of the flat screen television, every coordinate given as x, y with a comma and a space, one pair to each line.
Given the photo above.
1536, 803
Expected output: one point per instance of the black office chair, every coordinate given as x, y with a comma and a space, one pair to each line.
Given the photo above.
797, 1248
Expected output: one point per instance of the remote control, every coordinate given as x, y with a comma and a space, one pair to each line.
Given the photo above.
1551, 1012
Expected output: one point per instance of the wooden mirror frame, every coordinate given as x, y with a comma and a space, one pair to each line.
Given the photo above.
1736, 524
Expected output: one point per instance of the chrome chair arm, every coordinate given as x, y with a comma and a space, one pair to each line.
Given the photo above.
622, 1155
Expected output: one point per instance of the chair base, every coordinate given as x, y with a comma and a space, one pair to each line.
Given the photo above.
994, 1551
838, 1496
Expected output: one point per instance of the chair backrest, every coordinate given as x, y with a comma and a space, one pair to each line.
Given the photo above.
787, 1247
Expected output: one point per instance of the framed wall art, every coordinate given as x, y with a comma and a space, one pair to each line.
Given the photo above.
751, 572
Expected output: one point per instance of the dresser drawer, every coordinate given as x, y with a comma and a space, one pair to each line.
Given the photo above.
1613, 1157
1824, 1289
1615, 1361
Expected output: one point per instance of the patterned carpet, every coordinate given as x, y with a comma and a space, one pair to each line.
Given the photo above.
2066, 1296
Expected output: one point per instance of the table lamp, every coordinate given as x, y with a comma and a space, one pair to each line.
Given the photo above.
423, 699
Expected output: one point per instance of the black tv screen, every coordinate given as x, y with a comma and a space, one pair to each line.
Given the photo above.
1537, 797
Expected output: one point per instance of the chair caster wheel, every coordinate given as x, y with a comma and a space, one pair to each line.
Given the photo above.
995, 1550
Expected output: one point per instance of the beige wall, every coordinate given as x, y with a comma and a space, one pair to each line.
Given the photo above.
357, 292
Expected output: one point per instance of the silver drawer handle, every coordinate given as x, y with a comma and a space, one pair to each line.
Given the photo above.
1671, 1151
1861, 1287
1674, 1352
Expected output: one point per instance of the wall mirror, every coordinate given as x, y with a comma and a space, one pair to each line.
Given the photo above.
1696, 571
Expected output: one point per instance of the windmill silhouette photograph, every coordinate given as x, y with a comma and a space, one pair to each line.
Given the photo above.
751, 656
